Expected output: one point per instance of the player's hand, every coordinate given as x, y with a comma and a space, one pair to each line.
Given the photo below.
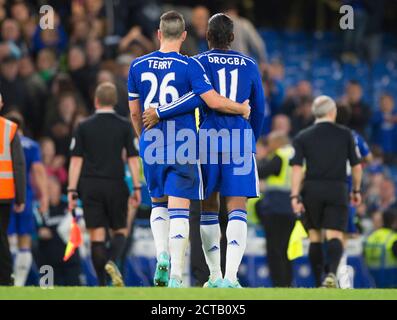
18, 208
72, 200
136, 198
246, 109
44, 205
45, 233
150, 118
297, 206
355, 199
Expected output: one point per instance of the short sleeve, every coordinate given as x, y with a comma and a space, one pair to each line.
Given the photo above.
198, 78
362, 147
298, 157
353, 152
133, 92
129, 142
36, 153
76, 145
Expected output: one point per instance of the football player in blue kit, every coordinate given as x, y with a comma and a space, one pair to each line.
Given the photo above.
22, 225
156, 79
365, 155
229, 167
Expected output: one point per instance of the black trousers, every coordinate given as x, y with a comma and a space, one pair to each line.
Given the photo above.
5, 254
278, 228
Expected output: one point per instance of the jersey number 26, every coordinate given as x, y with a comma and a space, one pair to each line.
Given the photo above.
164, 89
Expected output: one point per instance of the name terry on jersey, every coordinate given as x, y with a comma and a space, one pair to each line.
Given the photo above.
160, 65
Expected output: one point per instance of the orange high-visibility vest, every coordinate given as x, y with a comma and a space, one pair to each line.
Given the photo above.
8, 130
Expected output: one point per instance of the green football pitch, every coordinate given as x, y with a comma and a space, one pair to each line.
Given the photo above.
87, 293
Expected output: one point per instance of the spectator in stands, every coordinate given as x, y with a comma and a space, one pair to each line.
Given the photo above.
12, 87
281, 123
196, 41
274, 87
303, 116
52, 240
135, 36
11, 34
92, 11
386, 198
80, 32
122, 104
3, 12
361, 112
53, 163
247, 40
36, 91
20, 12
384, 127
55, 39
80, 74
61, 84
94, 50
61, 129
302, 91
122, 71
47, 64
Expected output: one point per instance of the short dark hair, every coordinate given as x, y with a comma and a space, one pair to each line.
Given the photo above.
16, 117
354, 82
343, 115
220, 31
172, 25
106, 94
389, 218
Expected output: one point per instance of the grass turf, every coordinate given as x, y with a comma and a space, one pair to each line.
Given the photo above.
90, 293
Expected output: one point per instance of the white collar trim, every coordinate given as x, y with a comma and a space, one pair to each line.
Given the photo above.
105, 111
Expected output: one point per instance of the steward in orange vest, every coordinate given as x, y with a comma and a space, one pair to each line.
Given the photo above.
12, 188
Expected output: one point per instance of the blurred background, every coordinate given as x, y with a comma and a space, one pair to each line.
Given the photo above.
49, 77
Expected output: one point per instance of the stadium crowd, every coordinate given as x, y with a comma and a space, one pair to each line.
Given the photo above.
49, 77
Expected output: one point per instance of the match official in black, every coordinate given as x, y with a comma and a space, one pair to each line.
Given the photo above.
97, 149
324, 148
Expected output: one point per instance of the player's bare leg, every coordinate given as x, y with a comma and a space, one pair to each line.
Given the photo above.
23, 260
178, 209
345, 273
116, 249
236, 234
210, 237
99, 254
160, 225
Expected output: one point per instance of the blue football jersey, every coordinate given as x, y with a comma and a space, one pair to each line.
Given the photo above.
363, 151
160, 78
31, 150
235, 76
